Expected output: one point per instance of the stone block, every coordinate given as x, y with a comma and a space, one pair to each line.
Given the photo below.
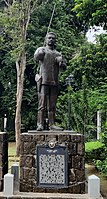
72, 175
1, 147
72, 147
80, 175
78, 162
3, 136
63, 138
76, 189
39, 138
77, 138
50, 136
26, 137
94, 186
26, 186
22, 148
8, 184
38, 190
29, 147
1, 173
64, 190
80, 149
51, 190
1, 185
82, 185
1, 160
21, 173
26, 161
70, 189
34, 161
29, 173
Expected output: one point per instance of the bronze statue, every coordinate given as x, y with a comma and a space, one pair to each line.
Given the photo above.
50, 63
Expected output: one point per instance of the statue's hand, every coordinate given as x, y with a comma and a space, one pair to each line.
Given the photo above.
39, 54
61, 62
59, 59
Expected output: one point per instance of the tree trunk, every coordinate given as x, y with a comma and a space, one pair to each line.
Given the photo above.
20, 66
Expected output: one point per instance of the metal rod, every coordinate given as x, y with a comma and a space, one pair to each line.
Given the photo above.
51, 18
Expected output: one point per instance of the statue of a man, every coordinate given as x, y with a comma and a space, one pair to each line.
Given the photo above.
50, 63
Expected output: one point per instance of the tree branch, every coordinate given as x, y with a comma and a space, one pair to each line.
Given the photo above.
28, 16
7, 3
33, 7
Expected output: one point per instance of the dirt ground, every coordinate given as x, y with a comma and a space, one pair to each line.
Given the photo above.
103, 180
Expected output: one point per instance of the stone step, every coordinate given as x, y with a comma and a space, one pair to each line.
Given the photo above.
24, 195
29, 195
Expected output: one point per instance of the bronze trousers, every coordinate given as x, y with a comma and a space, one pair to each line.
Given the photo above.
47, 98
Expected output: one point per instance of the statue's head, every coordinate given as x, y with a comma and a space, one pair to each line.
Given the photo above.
50, 39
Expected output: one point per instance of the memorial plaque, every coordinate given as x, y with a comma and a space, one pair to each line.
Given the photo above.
52, 166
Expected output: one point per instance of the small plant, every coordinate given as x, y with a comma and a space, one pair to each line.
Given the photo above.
102, 166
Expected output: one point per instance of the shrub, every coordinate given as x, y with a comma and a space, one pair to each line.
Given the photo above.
102, 166
94, 151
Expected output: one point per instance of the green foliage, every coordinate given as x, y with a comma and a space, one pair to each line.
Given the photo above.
90, 146
91, 62
94, 151
86, 61
91, 12
98, 98
102, 166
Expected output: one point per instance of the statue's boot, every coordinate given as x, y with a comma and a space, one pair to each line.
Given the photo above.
55, 128
40, 121
52, 126
39, 127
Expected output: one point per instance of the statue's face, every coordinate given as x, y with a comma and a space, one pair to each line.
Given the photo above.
50, 40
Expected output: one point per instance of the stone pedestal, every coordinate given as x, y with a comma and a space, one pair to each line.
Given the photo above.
76, 163
3, 157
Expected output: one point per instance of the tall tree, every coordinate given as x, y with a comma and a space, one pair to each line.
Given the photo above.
15, 20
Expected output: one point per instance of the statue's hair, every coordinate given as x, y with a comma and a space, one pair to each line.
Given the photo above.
50, 33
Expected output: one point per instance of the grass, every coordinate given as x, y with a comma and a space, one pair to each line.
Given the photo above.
12, 149
12, 158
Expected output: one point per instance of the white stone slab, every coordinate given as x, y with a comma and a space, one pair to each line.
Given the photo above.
8, 184
93, 186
